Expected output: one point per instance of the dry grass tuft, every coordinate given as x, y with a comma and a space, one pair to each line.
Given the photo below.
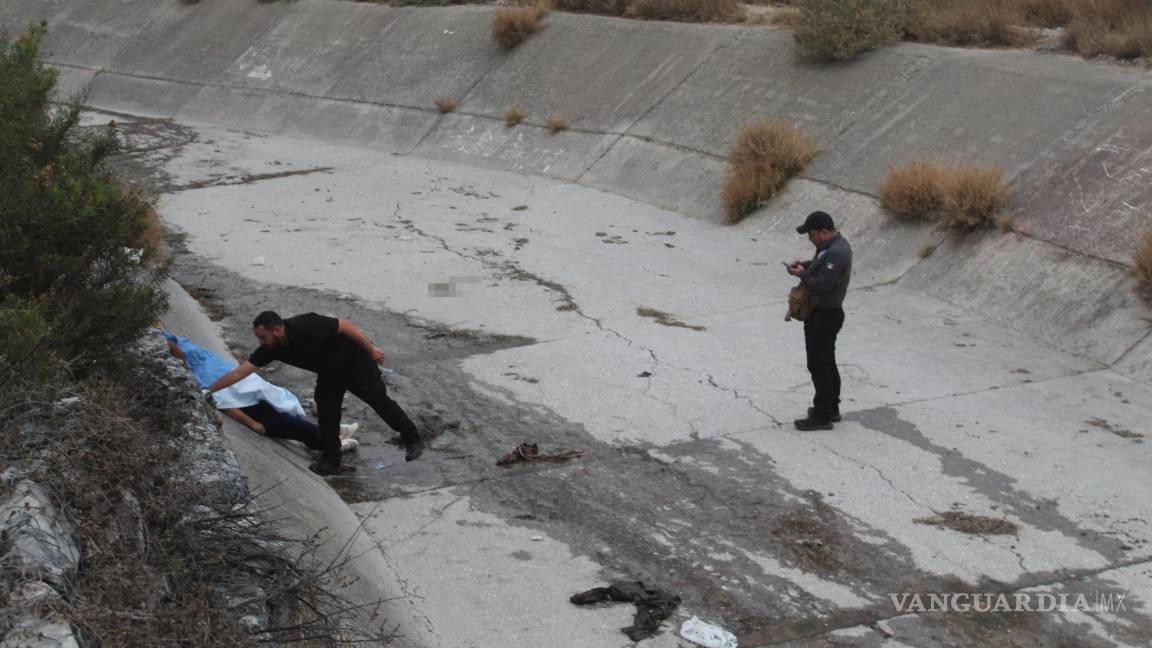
445, 104
556, 123
763, 157
1142, 266
968, 22
1046, 13
928, 249
687, 10
785, 17
514, 115
606, 7
955, 196
1117, 28
973, 197
914, 190
511, 26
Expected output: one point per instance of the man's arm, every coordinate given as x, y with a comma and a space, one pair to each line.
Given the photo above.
356, 335
232, 377
239, 415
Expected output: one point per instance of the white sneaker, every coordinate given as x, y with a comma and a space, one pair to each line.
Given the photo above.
349, 445
348, 429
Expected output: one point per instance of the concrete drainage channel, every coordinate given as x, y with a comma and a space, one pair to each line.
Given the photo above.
525, 288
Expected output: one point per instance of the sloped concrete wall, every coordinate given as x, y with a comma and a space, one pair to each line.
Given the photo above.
652, 108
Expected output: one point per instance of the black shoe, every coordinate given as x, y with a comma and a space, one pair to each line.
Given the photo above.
325, 468
835, 418
414, 451
808, 424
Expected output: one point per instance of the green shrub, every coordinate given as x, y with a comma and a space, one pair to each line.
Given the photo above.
71, 237
836, 30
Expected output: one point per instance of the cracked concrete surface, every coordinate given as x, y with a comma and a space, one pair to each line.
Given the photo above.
693, 477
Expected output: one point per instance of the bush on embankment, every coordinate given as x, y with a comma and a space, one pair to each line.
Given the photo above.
952, 195
762, 158
839, 30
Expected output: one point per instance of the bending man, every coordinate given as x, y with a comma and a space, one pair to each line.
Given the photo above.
343, 359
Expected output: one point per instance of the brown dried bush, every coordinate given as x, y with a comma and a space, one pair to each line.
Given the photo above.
952, 195
556, 123
511, 26
445, 104
606, 7
965, 22
914, 190
514, 115
1142, 266
687, 10
1117, 28
762, 158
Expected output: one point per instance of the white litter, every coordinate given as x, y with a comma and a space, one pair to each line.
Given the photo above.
258, 261
706, 634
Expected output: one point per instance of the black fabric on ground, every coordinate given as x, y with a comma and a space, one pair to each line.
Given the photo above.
652, 605
284, 426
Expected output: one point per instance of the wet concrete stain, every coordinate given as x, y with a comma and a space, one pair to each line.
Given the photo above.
996, 486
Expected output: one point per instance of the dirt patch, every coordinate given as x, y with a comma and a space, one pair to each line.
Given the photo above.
208, 300
1108, 427
665, 318
971, 524
810, 539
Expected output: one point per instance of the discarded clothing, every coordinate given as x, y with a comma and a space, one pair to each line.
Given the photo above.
530, 452
206, 367
652, 605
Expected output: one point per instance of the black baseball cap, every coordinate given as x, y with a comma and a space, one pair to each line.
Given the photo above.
816, 220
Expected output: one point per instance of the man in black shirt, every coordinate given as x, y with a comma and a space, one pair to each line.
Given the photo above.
343, 360
827, 275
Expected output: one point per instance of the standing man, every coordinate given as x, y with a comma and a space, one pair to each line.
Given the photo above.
343, 360
827, 275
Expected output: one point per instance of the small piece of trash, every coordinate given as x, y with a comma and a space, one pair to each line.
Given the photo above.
387, 370
329, 199
644, 374
403, 238
258, 261
706, 634
449, 32
537, 538
520, 208
380, 466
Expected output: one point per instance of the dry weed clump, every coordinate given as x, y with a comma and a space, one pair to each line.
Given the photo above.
606, 7
1117, 28
687, 10
952, 195
556, 123
1142, 266
971, 23
974, 195
763, 157
914, 190
511, 26
514, 115
445, 104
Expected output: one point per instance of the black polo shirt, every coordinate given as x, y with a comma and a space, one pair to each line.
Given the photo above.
315, 344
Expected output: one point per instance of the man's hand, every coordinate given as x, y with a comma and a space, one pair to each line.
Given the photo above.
377, 355
795, 268
258, 428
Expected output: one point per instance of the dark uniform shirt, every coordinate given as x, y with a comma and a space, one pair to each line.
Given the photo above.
315, 344
828, 273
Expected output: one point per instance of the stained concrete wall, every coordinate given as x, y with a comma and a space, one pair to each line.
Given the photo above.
653, 107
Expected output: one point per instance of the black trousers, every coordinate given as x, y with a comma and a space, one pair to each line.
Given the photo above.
330, 392
285, 426
820, 330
